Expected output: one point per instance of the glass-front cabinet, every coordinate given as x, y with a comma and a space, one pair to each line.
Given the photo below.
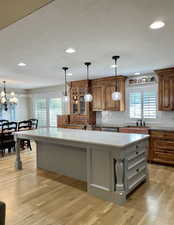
79, 109
78, 105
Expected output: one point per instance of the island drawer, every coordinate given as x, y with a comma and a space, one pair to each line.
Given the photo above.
135, 178
136, 168
135, 159
136, 150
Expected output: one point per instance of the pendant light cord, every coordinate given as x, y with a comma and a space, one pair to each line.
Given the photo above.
5, 90
65, 69
115, 58
116, 85
87, 64
87, 72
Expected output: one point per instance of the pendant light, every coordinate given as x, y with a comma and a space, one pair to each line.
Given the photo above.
65, 97
116, 95
88, 97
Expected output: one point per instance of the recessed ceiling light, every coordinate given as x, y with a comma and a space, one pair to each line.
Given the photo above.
137, 73
157, 25
70, 50
113, 66
21, 64
69, 74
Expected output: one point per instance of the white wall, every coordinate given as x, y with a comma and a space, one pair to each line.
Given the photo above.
22, 108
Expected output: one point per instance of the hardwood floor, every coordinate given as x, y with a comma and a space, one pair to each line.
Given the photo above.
36, 197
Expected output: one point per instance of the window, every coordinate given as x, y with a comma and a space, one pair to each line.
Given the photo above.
149, 105
55, 108
40, 111
46, 111
10, 114
142, 105
135, 105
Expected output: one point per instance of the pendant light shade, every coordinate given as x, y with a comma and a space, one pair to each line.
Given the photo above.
88, 97
65, 96
116, 95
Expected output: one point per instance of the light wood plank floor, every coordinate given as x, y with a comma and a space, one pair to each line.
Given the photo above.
36, 197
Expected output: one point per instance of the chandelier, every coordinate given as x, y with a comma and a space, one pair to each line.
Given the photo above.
7, 99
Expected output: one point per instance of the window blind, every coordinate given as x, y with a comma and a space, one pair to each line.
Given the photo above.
149, 105
55, 108
135, 107
143, 105
40, 111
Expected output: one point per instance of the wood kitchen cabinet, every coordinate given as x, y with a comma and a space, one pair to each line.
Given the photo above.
80, 111
102, 90
162, 147
98, 98
166, 89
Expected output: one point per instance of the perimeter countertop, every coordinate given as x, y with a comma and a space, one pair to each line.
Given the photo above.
112, 139
150, 127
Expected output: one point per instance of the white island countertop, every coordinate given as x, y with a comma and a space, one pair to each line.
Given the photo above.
119, 140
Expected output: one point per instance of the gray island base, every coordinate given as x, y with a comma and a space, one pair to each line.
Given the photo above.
112, 164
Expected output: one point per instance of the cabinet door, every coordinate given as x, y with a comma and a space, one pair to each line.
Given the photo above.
109, 103
166, 94
74, 101
98, 98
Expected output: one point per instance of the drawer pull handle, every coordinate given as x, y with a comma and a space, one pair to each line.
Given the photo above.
137, 170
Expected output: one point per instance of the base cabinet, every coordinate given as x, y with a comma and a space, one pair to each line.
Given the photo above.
162, 147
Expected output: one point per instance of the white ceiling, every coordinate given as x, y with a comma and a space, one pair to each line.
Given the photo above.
97, 29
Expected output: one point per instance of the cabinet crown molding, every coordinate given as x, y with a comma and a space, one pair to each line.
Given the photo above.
166, 71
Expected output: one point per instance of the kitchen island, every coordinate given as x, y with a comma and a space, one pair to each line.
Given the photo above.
112, 164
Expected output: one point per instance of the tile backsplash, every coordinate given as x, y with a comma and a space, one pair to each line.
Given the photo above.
108, 118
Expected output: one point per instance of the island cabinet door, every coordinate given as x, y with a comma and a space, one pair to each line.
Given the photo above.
100, 173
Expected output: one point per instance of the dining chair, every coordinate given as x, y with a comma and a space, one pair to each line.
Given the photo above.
2, 213
22, 126
34, 123
7, 137
3, 121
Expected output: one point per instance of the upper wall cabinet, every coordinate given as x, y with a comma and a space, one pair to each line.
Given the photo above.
80, 111
166, 89
98, 98
102, 90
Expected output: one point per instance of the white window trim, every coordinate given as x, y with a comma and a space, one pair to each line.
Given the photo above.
142, 90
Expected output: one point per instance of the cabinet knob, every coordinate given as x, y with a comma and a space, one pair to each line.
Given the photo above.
137, 153
137, 170
136, 146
